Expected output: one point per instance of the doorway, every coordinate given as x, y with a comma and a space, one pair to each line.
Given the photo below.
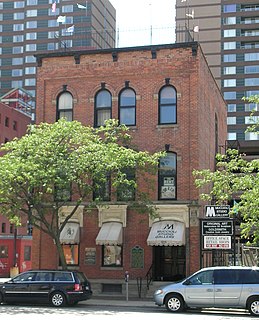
169, 263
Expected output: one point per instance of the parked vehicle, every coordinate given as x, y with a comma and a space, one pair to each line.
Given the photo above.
218, 287
56, 287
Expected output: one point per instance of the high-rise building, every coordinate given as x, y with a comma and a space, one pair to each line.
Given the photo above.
228, 33
28, 27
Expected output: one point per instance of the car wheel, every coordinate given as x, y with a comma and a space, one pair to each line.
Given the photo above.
174, 303
253, 306
1, 298
58, 299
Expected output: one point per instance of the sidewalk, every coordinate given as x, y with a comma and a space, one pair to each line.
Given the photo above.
119, 302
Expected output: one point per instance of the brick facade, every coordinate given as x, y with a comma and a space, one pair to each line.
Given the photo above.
192, 138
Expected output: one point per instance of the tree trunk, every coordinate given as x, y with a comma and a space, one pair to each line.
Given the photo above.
61, 254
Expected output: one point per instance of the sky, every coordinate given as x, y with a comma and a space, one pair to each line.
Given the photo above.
135, 18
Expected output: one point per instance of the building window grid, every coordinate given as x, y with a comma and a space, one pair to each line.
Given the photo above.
167, 105
127, 107
103, 107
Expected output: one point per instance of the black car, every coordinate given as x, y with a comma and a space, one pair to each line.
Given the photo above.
57, 287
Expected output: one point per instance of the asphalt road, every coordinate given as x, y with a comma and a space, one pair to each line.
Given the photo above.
97, 310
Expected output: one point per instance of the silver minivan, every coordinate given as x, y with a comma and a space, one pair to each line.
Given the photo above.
215, 287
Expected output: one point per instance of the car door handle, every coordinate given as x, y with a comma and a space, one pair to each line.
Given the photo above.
218, 290
209, 290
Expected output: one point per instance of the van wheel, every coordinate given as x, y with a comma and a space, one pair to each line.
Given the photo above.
174, 303
57, 299
253, 306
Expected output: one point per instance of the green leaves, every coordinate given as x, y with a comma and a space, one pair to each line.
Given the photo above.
235, 178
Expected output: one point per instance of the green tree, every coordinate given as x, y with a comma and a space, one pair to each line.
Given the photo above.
54, 162
235, 178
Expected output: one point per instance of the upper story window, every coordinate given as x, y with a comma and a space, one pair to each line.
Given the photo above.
32, 2
167, 105
65, 106
229, 70
127, 107
67, 8
167, 177
18, 15
229, 8
31, 24
3, 227
229, 45
229, 20
18, 4
229, 33
103, 107
229, 58
18, 27
32, 13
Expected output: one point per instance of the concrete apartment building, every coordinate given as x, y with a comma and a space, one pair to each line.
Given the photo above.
167, 96
32, 26
228, 34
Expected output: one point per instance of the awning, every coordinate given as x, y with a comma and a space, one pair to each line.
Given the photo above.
110, 233
167, 233
70, 234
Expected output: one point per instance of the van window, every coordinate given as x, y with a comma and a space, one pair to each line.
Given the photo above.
226, 276
204, 277
249, 276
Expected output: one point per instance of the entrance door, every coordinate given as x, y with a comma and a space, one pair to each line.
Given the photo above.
169, 263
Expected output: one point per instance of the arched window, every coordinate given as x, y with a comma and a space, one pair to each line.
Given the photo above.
127, 107
167, 177
65, 106
167, 105
103, 107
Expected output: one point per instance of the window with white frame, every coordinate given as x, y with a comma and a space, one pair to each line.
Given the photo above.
30, 82
229, 20
18, 27
230, 95
18, 38
232, 107
229, 33
30, 70
231, 120
229, 83
17, 72
251, 107
18, 15
31, 36
32, 13
31, 47
232, 135
251, 136
229, 57
229, 70
229, 45
17, 50
251, 81
31, 24
17, 61
18, 4
30, 59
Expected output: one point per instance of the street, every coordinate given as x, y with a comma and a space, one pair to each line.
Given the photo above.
25, 312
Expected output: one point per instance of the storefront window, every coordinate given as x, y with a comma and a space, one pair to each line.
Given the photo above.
112, 256
71, 252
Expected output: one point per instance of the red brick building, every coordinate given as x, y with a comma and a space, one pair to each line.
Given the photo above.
15, 244
169, 99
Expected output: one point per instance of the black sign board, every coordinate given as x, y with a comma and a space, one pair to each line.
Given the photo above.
217, 227
217, 211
